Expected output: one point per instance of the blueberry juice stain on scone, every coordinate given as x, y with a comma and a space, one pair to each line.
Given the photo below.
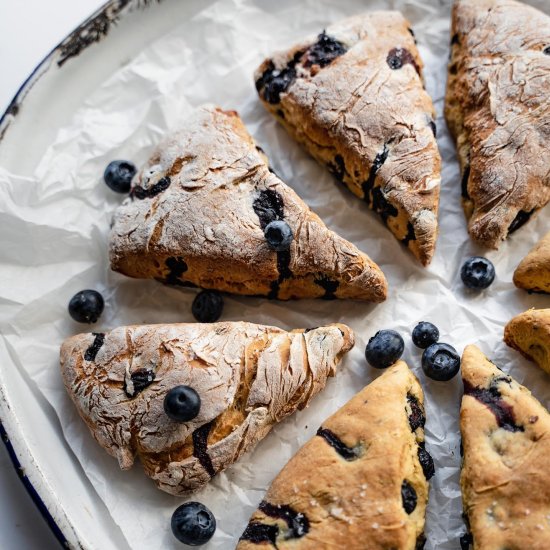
349, 453
95, 346
354, 98
269, 207
297, 525
504, 413
273, 81
200, 448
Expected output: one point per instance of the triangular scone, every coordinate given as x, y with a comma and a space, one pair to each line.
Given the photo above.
506, 442
248, 378
497, 108
353, 97
533, 272
361, 482
529, 333
196, 217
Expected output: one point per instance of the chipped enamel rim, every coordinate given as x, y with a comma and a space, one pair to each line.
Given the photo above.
91, 31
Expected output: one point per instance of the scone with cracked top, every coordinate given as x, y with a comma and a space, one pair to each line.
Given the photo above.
353, 96
533, 272
248, 378
361, 482
497, 107
529, 333
506, 442
198, 215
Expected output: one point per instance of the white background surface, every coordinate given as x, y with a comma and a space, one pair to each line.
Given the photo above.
29, 29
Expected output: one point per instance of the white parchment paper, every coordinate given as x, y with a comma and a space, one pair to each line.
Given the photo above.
58, 221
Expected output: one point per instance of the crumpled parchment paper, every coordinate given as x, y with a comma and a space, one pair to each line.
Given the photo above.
58, 223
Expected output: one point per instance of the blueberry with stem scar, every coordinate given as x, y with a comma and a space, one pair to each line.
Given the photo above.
477, 273
193, 524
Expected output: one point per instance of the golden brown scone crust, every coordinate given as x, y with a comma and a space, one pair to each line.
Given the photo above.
197, 212
529, 333
533, 272
504, 479
371, 124
325, 500
497, 108
248, 377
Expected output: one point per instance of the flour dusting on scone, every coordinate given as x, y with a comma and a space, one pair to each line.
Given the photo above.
506, 442
353, 96
498, 110
529, 333
198, 211
248, 378
361, 482
533, 272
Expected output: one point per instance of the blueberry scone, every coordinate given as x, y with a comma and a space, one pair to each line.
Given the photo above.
361, 482
498, 110
529, 333
206, 210
353, 96
246, 377
506, 442
533, 272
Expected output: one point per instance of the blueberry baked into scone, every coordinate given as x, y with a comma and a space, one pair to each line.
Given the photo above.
533, 272
353, 96
206, 210
529, 333
361, 482
506, 442
246, 378
497, 108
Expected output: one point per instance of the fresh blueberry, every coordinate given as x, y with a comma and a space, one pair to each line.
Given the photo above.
278, 235
182, 403
118, 175
384, 349
546, 50
440, 362
193, 524
86, 306
207, 306
477, 272
425, 334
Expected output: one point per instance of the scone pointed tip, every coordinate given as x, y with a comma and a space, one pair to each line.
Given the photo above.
347, 335
341, 334
475, 367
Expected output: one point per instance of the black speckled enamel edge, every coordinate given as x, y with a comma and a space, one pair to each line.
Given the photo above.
92, 30
33, 493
